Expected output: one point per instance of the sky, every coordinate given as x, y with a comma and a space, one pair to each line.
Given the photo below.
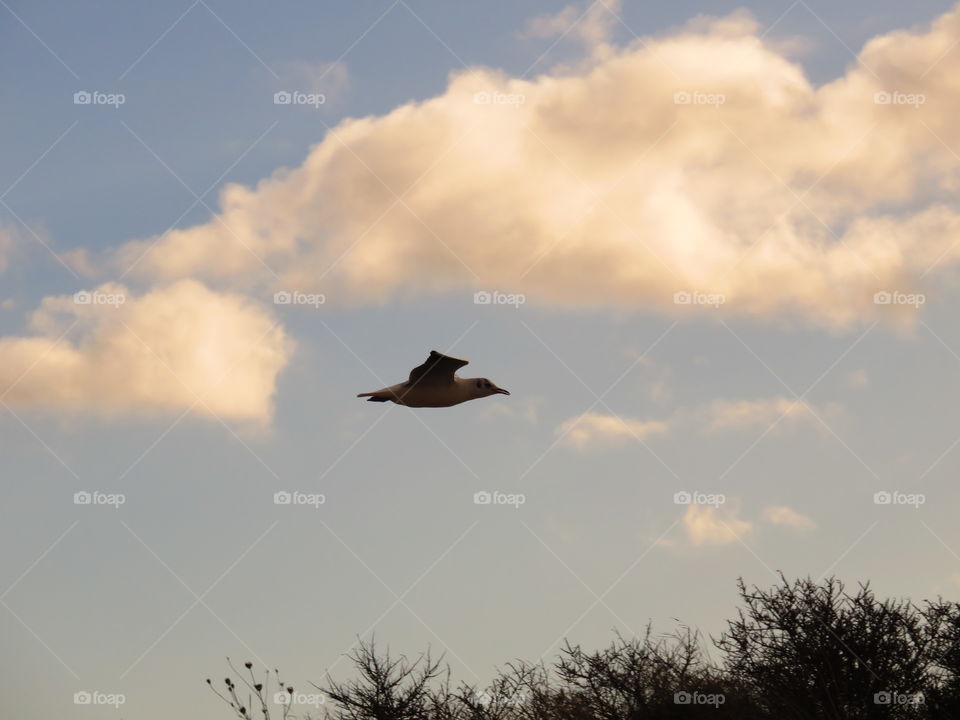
711, 251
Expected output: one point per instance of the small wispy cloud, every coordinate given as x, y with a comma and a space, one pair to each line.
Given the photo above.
591, 429
594, 430
726, 415
706, 525
331, 79
788, 517
592, 25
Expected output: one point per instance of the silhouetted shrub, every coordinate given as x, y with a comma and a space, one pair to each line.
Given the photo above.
813, 650
800, 650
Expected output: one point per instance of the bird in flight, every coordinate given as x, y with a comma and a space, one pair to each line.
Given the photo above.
436, 384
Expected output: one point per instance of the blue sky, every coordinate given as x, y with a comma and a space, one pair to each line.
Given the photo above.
796, 406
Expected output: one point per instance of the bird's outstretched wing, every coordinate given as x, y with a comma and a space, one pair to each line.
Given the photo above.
438, 368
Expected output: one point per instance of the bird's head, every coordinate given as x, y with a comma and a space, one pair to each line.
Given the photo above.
481, 387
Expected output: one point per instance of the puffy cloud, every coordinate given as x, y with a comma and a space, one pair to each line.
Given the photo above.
785, 516
703, 161
175, 348
707, 525
591, 429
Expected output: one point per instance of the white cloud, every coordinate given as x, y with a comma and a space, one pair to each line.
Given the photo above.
592, 26
787, 517
726, 415
177, 347
708, 525
705, 525
591, 429
598, 173
552, 25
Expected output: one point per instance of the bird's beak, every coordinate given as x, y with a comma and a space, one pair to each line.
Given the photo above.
501, 391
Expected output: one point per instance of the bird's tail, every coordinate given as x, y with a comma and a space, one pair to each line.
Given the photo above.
374, 396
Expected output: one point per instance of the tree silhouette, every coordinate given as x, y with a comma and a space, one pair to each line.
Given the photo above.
387, 688
799, 650
813, 650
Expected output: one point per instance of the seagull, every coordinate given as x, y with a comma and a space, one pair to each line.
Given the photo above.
435, 384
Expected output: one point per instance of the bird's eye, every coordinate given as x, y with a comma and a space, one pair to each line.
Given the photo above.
479, 384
